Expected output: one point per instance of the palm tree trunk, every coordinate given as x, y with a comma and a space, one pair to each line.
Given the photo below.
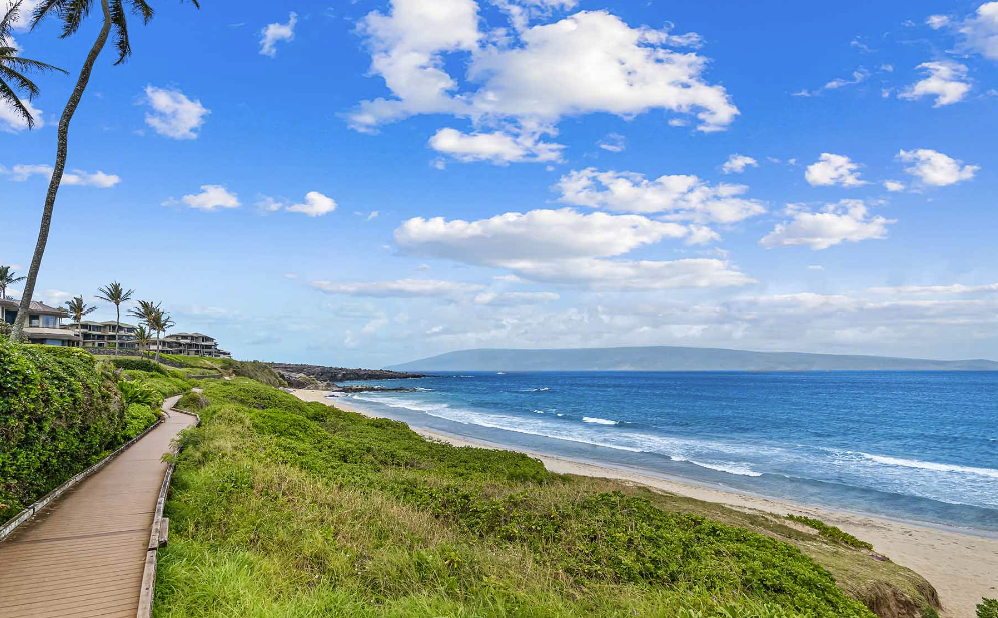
158, 344
62, 149
117, 327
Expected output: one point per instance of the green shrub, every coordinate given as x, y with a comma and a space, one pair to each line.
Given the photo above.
830, 532
166, 386
987, 608
139, 364
137, 418
6, 330
255, 370
192, 402
59, 413
136, 392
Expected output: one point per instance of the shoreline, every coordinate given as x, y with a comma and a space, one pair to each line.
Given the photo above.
962, 566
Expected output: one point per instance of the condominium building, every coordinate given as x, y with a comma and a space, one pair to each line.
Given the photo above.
188, 344
44, 323
102, 334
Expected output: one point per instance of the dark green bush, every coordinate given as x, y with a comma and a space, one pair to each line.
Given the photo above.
192, 402
830, 532
137, 418
139, 364
987, 608
59, 413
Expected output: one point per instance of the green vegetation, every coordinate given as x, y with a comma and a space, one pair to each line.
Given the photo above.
255, 370
285, 508
830, 532
59, 413
138, 364
136, 392
192, 402
987, 608
166, 386
137, 418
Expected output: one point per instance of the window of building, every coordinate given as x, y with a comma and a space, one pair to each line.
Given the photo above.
49, 321
33, 321
53, 342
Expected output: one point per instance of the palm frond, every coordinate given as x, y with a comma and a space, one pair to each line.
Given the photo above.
142, 9
8, 95
72, 13
120, 31
7, 21
27, 64
43, 9
18, 81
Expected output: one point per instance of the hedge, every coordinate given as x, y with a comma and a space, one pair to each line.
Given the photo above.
59, 413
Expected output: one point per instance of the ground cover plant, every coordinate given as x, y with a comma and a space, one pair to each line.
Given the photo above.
830, 532
286, 508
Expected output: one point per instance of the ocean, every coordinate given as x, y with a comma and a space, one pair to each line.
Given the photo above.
917, 446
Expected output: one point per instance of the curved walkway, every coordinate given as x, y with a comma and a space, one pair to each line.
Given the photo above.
83, 555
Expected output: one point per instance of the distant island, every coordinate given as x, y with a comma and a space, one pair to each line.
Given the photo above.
669, 358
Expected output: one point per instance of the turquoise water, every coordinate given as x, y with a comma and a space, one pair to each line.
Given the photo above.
911, 445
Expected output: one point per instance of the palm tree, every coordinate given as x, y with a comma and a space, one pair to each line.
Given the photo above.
114, 293
77, 310
146, 313
14, 67
142, 337
72, 13
7, 277
161, 323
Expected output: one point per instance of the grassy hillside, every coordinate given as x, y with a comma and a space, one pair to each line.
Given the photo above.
284, 508
60, 412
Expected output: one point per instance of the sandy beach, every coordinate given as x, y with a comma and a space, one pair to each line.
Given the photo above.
962, 567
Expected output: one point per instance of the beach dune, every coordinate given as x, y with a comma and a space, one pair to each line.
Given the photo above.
963, 567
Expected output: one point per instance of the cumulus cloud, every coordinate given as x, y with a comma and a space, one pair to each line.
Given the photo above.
894, 185
588, 62
858, 76
403, 288
526, 245
173, 114
25, 14
845, 221
315, 205
681, 197
935, 168
498, 147
737, 163
980, 31
277, 32
937, 21
521, 12
945, 80
833, 169
99, 179
212, 197
13, 122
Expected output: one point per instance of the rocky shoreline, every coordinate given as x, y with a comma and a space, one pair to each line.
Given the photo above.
301, 376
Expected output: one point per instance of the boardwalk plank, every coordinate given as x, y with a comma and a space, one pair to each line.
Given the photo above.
83, 555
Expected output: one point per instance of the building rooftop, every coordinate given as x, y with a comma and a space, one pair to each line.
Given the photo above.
36, 307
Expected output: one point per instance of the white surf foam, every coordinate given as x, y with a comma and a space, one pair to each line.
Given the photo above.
597, 421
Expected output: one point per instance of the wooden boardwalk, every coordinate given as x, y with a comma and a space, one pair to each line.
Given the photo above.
83, 555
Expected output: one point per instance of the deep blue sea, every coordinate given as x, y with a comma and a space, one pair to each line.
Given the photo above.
919, 446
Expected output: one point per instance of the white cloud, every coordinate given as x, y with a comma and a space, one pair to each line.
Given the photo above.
211, 197
634, 275
273, 33
858, 76
527, 245
613, 142
936, 169
498, 147
919, 290
586, 63
737, 163
937, 21
372, 215
946, 80
510, 299
403, 288
846, 221
894, 185
980, 31
833, 169
315, 205
81, 178
815, 267
682, 196
521, 12
13, 122
516, 236
174, 115
265, 203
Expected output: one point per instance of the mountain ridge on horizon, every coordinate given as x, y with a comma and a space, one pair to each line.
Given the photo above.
675, 358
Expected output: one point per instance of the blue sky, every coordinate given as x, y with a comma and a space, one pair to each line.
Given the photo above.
372, 182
